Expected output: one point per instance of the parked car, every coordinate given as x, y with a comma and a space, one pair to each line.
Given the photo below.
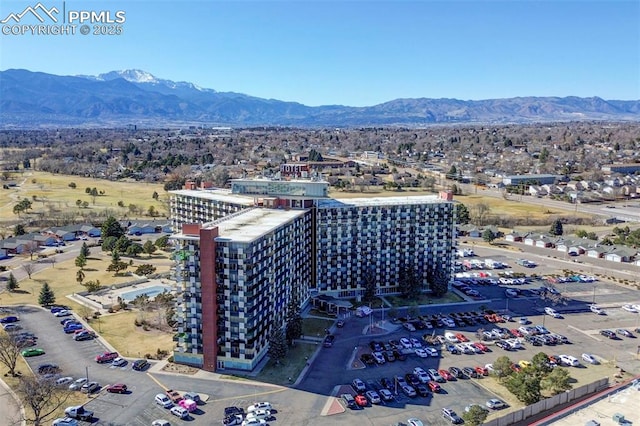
90, 387
9, 319
450, 415
140, 364
32, 352
78, 383
11, 327
340, 323
359, 386
328, 340
385, 394
180, 412
496, 404
434, 387
597, 310
361, 401
349, 401
106, 357
629, 308
624, 332
163, 422
456, 372
63, 313
117, 388
65, 421
163, 400
230, 411
608, 333
373, 397
446, 375
63, 381
589, 358
119, 362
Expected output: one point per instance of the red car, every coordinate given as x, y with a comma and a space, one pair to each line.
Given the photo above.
106, 357
117, 388
481, 371
516, 332
361, 400
446, 375
461, 337
434, 386
481, 346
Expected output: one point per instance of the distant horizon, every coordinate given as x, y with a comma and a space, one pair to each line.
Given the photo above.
332, 104
352, 52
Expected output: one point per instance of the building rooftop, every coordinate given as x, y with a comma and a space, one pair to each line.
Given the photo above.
380, 201
252, 224
218, 195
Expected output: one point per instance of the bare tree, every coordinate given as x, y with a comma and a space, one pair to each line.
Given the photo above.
9, 352
31, 248
42, 398
29, 268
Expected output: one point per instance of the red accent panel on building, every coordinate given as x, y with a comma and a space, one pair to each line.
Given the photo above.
209, 298
191, 228
190, 185
446, 195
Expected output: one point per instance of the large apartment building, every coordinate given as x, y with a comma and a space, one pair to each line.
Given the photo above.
244, 255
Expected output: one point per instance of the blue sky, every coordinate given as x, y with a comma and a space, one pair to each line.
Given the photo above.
356, 52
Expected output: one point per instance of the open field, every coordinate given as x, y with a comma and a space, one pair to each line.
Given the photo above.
130, 340
52, 192
502, 207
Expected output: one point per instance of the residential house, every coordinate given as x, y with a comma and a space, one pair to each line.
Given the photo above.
597, 252
514, 237
621, 254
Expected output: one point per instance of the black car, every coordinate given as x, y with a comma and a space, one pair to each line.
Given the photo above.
386, 383
412, 379
140, 364
399, 355
503, 345
230, 411
328, 341
367, 359
422, 390
48, 369
375, 346
340, 323
608, 333
470, 372
456, 372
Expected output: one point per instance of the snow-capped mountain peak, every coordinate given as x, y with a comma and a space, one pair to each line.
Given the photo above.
145, 78
134, 76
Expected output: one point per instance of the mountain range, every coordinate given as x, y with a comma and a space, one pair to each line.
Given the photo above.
117, 98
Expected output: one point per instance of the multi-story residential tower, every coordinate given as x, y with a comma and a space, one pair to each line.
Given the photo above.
254, 250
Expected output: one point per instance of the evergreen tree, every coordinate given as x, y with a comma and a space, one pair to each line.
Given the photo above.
369, 284
557, 381
556, 228
12, 284
111, 228
84, 250
277, 345
475, 416
81, 261
149, 248
439, 281
488, 235
294, 322
463, 216
47, 297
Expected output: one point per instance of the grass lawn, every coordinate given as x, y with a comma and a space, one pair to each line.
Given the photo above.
315, 326
52, 191
290, 367
119, 329
500, 206
130, 340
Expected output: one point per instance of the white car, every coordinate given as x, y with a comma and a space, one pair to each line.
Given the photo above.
629, 308
77, 385
254, 422
118, 362
496, 404
636, 307
552, 312
406, 343
163, 400
597, 310
415, 342
415, 422
373, 397
62, 313
180, 412
160, 422
259, 414
589, 358
66, 421
422, 353
259, 406
431, 351
378, 357
63, 381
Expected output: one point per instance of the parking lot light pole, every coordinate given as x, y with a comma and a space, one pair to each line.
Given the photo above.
86, 368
